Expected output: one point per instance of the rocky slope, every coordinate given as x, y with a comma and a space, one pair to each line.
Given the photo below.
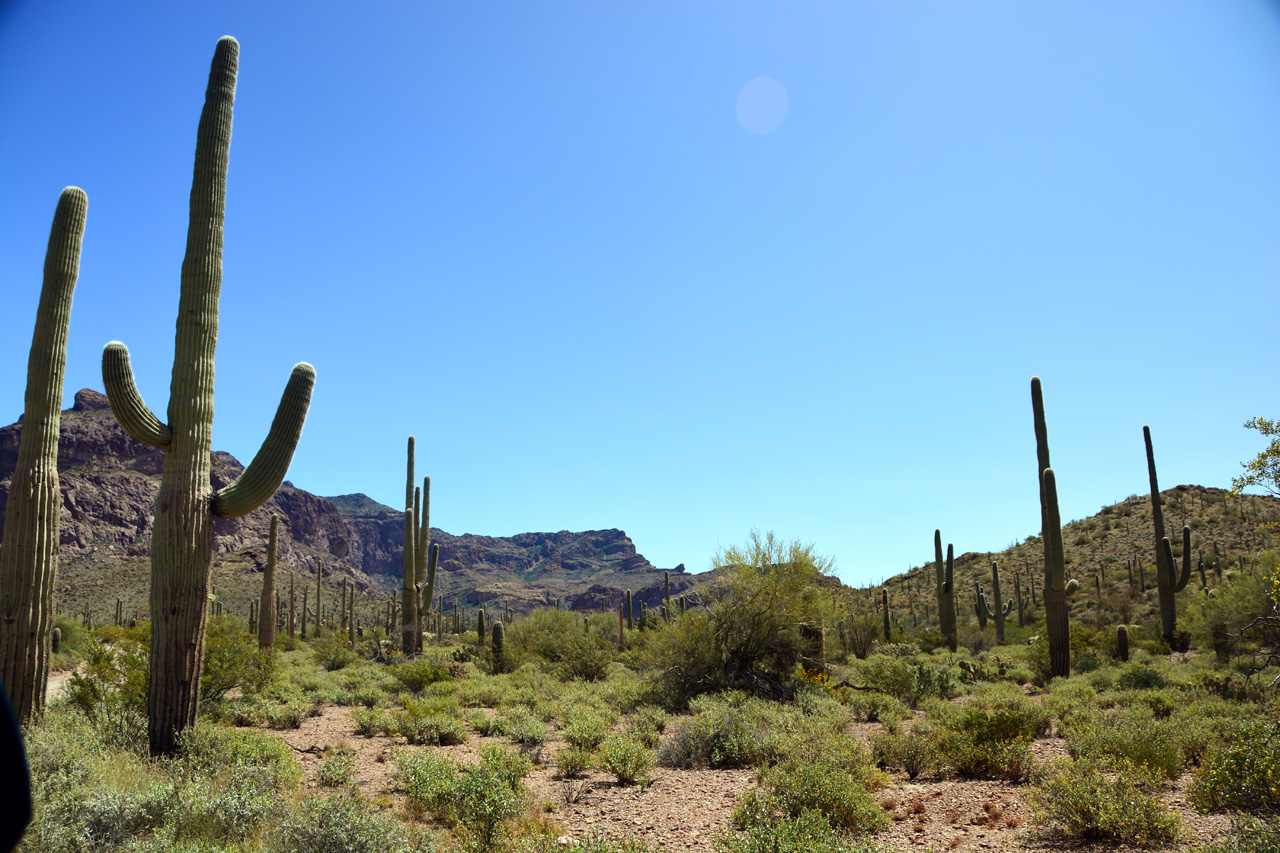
109, 483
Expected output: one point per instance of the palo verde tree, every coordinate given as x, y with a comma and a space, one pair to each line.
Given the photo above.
1263, 470
29, 550
187, 506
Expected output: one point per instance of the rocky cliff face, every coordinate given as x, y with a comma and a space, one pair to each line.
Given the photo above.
109, 484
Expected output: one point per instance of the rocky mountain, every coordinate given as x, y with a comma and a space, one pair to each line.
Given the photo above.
109, 483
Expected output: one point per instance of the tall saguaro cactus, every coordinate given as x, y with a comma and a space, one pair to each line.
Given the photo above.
267, 627
29, 551
1056, 613
408, 586
1001, 608
1167, 582
182, 539
946, 591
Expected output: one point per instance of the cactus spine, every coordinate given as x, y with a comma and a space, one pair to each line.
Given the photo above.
182, 541
1167, 583
267, 627
1002, 608
1057, 615
946, 591
29, 549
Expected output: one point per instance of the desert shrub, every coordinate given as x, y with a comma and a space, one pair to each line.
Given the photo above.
808, 832
1086, 799
819, 787
337, 768
368, 721
232, 660
913, 751
876, 707
522, 727
485, 799
341, 823
728, 730
557, 637
898, 650
989, 737
572, 762
288, 716
435, 729
332, 653
483, 723
908, 682
651, 716
415, 675
1237, 773
1248, 835
206, 749
1133, 735
427, 781
628, 760
859, 633
112, 690
680, 660
586, 730
1140, 676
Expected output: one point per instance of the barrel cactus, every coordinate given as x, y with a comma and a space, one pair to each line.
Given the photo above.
187, 506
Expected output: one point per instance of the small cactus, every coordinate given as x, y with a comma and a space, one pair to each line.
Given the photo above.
499, 634
56, 640
1122, 641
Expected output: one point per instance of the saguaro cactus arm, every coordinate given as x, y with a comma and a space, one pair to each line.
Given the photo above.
265, 473
126, 403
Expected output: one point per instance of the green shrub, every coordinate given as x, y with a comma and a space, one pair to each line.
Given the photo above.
289, 716
586, 731
483, 723
233, 660
332, 653
875, 707
341, 823
523, 728
208, 749
368, 721
337, 768
908, 682
989, 737
727, 730
434, 729
808, 832
1238, 773
485, 799
1140, 676
572, 762
427, 781
629, 761
913, 751
510, 765
415, 675
1132, 735
839, 796
1086, 799
111, 691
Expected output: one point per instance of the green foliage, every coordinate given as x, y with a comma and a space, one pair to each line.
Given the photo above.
1239, 773
1134, 735
414, 675
573, 762
341, 823
914, 751
332, 652
586, 730
905, 680
726, 730
287, 716
430, 721
629, 761
808, 832
839, 796
1264, 469
874, 707
989, 736
1086, 799
111, 691
681, 661
1139, 676
233, 660
337, 769
556, 637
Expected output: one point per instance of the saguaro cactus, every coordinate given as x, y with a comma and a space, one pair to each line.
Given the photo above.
1001, 608
980, 605
1168, 584
884, 598
499, 642
1056, 612
1122, 642
29, 550
182, 539
946, 591
409, 578
267, 627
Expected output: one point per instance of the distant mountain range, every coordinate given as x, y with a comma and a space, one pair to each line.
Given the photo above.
109, 483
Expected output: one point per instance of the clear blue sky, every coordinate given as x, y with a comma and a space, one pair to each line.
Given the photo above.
544, 238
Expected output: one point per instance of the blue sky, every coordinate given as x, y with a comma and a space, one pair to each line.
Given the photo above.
540, 238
